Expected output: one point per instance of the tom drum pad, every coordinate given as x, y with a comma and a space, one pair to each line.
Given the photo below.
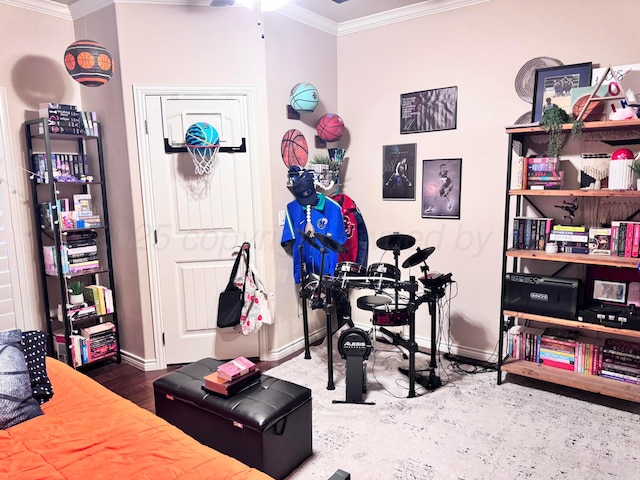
348, 269
383, 273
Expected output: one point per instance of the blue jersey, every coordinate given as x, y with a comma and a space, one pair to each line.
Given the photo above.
326, 218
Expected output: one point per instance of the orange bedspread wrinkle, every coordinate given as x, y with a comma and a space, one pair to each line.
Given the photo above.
90, 432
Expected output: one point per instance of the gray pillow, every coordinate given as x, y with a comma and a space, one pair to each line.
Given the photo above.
16, 400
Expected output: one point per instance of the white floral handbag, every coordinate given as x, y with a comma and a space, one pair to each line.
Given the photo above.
251, 316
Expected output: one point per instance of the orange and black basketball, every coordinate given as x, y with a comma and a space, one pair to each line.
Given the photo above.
594, 111
294, 148
89, 63
330, 127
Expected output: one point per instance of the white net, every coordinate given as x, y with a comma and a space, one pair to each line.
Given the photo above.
204, 158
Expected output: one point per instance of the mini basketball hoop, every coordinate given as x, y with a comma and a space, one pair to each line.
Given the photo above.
204, 157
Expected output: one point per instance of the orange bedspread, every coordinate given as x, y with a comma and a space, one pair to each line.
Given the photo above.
89, 433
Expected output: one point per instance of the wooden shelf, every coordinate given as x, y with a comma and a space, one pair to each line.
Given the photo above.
590, 383
573, 324
606, 260
577, 193
586, 127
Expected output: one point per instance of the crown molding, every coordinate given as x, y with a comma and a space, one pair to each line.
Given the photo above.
309, 18
42, 6
402, 14
299, 14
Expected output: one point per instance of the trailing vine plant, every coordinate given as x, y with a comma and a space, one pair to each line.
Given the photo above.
551, 122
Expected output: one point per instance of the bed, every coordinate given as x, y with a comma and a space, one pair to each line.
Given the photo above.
89, 432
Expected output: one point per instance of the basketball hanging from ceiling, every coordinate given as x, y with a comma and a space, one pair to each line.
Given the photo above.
89, 63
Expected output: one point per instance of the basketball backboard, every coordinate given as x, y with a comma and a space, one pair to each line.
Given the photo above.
178, 116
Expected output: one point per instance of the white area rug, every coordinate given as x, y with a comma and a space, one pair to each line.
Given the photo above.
471, 428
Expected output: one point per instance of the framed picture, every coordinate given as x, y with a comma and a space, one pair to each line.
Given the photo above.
399, 172
429, 110
611, 292
553, 87
441, 188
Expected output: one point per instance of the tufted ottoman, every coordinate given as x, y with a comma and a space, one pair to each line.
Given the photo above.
266, 426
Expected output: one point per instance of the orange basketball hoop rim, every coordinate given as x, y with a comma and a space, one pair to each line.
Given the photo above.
204, 157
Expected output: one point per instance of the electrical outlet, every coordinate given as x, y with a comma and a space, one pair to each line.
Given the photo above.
281, 217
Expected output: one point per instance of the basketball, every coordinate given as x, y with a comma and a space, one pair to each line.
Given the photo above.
89, 63
201, 134
594, 111
330, 127
294, 148
304, 97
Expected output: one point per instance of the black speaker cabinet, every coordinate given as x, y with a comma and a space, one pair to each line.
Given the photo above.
549, 296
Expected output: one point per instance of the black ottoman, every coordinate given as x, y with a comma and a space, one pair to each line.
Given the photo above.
266, 426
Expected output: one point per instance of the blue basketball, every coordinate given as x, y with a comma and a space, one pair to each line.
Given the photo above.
201, 134
304, 97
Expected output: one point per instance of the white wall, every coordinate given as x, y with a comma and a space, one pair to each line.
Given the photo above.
479, 49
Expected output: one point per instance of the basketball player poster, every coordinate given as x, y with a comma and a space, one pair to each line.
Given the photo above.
399, 172
428, 110
441, 188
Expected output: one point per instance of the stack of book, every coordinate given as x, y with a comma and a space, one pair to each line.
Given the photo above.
77, 312
558, 349
100, 297
531, 233
542, 173
81, 251
625, 239
64, 118
232, 377
570, 238
83, 211
621, 361
98, 341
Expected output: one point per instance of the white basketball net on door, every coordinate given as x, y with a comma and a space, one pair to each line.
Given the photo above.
204, 158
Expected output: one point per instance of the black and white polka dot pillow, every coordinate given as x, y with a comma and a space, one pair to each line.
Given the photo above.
35, 350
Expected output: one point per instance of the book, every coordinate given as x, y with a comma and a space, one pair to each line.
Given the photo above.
236, 368
214, 383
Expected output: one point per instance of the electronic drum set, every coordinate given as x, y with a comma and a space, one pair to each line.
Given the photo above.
388, 309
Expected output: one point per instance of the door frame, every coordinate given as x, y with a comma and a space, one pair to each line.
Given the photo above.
140, 94
23, 309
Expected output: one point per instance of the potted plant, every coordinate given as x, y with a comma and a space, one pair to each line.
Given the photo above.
635, 167
76, 295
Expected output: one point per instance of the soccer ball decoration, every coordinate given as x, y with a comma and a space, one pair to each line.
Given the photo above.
89, 63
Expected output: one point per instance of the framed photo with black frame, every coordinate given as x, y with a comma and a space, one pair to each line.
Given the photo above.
429, 110
553, 87
399, 172
441, 188
609, 291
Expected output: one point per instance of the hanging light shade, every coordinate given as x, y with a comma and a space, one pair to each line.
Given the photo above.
89, 63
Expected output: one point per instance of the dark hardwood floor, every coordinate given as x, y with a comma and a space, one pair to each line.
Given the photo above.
137, 385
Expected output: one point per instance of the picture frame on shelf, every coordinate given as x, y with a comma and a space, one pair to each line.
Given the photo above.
441, 188
610, 291
399, 172
553, 86
429, 110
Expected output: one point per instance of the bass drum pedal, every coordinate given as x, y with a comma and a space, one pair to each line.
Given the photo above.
354, 346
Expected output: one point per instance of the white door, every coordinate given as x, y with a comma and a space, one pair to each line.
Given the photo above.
200, 221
